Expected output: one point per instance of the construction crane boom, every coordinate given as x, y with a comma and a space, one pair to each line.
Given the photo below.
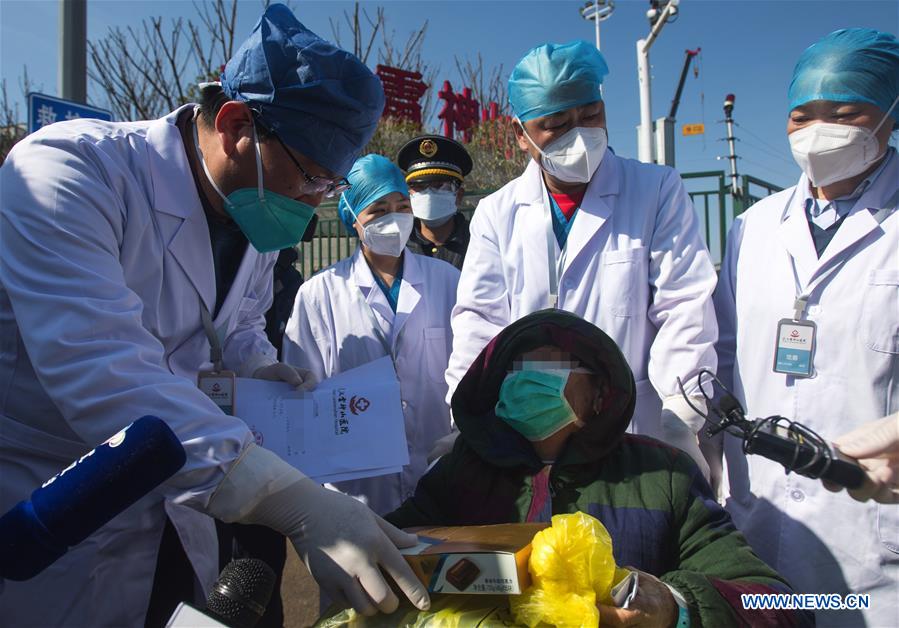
680, 84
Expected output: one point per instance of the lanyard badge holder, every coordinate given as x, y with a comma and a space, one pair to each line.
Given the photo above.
794, 350
218, 384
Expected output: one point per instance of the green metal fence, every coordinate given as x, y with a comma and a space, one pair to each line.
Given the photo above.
713, 201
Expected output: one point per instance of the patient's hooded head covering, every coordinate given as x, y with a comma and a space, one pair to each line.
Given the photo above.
320, 100
474, 402
849, 65
554, 77
372, 178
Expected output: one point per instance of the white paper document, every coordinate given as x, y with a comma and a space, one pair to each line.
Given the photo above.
351, 426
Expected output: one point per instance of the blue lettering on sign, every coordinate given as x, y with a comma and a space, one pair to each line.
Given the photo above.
44, 110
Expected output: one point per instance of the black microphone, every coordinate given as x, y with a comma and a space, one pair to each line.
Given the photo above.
240, 595
793, 445
85, 496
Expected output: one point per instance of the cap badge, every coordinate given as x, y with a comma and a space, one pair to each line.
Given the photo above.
428, 148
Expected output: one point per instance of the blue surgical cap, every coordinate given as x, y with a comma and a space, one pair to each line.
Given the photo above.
372, 178
320, 100
849, 65
554, 77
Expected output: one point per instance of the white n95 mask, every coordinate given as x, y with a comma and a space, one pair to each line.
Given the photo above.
829, 152
575, 156
433, 207
388, 234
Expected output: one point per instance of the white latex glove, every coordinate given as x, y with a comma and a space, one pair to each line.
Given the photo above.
876, 448
301, 379
680, 425
343, 543
443, 446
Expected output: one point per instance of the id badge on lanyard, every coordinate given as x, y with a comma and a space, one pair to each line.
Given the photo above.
218, 383
794, 351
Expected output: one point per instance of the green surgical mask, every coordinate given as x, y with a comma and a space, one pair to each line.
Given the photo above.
270, 221
533, 402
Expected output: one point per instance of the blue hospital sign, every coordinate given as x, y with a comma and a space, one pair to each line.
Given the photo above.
44, 110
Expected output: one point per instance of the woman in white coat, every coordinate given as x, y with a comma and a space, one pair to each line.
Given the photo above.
819, 263
107, 262
613, 240
383, 300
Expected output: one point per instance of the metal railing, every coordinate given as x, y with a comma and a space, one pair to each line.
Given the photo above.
713, 202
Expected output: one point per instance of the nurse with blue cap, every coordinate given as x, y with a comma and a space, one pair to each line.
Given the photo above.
135, 263
808, 307
611, 239
382, 301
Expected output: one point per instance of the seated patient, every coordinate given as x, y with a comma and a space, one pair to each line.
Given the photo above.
542, 414
383, 300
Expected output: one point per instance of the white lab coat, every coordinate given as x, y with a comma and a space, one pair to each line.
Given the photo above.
329, 332
104, 258
820, 541
635, 266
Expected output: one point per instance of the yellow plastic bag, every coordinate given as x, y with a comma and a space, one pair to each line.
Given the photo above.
572, 568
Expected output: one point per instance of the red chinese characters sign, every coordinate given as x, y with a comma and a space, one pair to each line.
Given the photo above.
460, 112
403, 90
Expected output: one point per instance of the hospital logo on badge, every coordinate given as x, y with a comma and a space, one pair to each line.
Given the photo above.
428, 148
216, 388
359, 405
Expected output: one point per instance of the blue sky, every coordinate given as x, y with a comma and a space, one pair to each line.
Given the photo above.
749, 48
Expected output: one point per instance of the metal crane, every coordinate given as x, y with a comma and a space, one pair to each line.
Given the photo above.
690, 54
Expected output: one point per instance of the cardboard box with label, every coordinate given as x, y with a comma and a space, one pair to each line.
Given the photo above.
474, 559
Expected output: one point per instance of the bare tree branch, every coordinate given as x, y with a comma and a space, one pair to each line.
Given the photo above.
151, 68
12, 126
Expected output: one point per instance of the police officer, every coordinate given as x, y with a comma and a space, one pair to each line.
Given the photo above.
436, 168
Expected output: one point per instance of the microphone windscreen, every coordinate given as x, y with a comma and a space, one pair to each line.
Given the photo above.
108, 480
242, 592
86, 495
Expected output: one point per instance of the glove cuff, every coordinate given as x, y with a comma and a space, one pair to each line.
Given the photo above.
254, 363
257, 474
677, 405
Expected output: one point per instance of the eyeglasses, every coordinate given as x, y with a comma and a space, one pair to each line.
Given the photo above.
441, 186
315, 184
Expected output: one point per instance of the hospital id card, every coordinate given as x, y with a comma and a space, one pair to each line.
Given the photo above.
218, 386
795, 347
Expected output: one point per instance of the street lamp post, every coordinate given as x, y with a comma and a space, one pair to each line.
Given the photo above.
658, 20
73, 50
598, 11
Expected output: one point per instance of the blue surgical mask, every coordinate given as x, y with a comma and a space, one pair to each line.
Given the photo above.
533, 402
270, 221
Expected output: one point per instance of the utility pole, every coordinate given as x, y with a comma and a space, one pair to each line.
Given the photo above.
657, 20
729, 120
73, 50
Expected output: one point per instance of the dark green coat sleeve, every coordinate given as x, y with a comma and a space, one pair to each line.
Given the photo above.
716, 563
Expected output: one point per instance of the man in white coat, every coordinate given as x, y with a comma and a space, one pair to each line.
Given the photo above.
382, 301
808, 307
613, 240
116, 242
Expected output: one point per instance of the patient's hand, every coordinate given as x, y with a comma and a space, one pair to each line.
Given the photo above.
653, 606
